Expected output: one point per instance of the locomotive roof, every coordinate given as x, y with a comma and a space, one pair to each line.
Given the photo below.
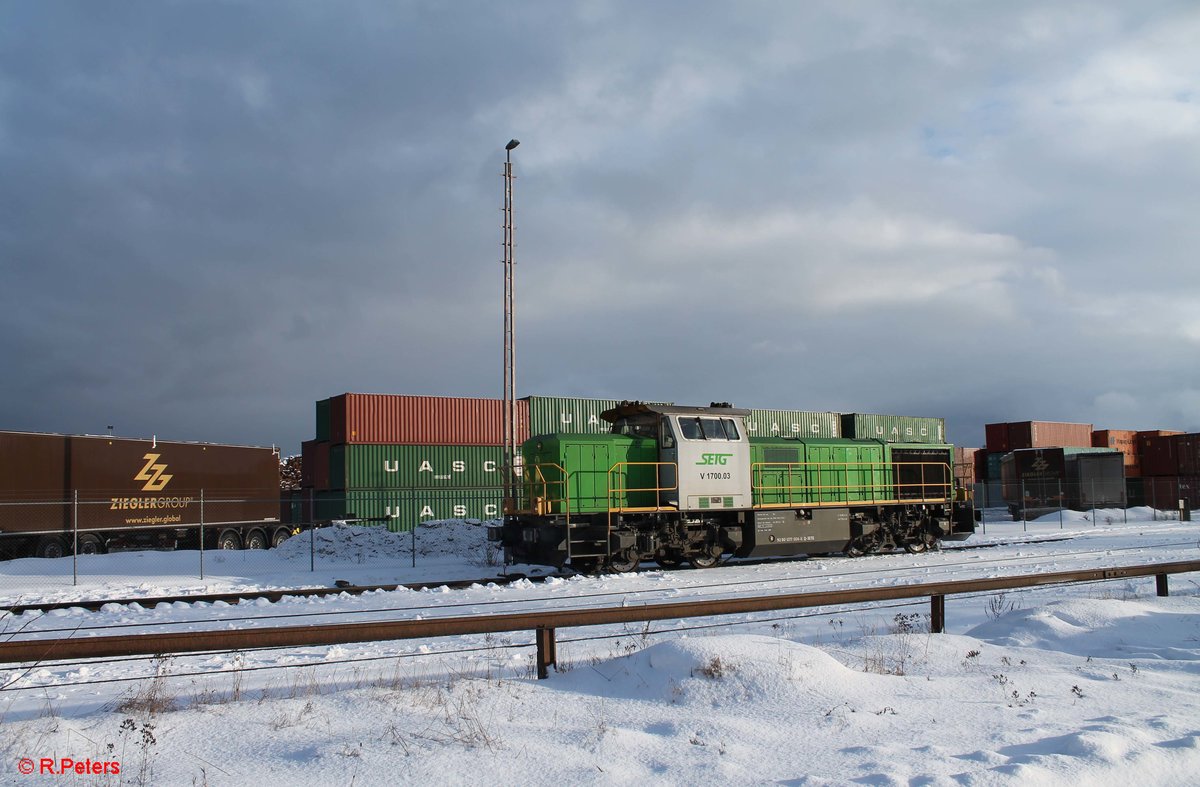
626, 409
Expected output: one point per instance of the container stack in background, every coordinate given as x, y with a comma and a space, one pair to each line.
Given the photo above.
399, 460
396, 460
1159, 468
1001, 480
1170, 465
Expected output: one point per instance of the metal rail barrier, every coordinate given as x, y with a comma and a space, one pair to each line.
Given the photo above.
545, 623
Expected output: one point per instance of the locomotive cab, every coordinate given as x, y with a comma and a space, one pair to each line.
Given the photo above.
703, 453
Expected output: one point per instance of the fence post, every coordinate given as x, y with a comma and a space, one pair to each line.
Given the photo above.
75, 538
1024, 515
1060, 505
937, 614
545, 651
1160, 582
1093, 502
201, 534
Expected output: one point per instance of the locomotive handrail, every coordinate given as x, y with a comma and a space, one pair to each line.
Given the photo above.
758, 469
546, 483
614, 493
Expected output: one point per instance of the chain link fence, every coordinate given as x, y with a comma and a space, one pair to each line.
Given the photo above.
133, 541
1098, 501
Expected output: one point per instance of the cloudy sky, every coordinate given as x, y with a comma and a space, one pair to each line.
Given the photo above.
213, 214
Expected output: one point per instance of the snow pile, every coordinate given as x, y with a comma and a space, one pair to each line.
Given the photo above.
722, 708
463, 540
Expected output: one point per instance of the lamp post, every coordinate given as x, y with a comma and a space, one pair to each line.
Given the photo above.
510, 385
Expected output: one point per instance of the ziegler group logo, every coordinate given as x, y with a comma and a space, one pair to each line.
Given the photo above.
153, 474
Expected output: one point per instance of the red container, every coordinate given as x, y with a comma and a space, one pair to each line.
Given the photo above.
387, 419
1123, 440
314, 467
1157, 433
1189, 491
1162, 492
1048, 434
1187, 451
964, 465
997, 438
1158, 456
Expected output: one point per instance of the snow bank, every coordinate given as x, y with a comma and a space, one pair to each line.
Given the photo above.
464, 540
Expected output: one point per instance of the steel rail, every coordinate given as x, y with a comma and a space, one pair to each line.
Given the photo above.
544, 623
94, 605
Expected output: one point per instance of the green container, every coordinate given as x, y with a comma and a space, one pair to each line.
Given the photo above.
563, 415
323, 409
415, 467
587, 461
806, 472
893, 428
801, 424
401, 510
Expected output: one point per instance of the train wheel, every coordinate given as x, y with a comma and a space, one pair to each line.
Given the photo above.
90, 544
915, 547
229, 540
704, 560
280, 535
256, 540
50, 547
625, 561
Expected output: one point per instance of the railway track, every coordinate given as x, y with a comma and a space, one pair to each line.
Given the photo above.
273, 596
94, 605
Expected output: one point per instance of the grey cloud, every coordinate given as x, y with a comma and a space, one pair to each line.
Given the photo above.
213, 214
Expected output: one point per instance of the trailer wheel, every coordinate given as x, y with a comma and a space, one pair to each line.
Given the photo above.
90, 544
257, 539
279, 536
229, 539
50, 547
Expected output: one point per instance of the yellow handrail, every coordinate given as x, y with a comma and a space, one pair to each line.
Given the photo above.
882, 480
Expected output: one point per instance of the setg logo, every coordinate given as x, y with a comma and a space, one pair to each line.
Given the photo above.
153, 474
714, 459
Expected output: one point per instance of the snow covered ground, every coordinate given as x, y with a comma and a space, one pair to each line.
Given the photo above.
1090, 684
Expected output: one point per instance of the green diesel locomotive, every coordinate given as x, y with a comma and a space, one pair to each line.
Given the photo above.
687, 484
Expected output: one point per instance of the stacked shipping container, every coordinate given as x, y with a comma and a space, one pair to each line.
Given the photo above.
1123, 440
399, 460
1170, 463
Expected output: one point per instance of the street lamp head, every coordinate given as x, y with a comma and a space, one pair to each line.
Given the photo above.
512, 144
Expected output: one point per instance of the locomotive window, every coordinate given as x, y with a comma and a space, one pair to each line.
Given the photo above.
712, 429
668, 437
731, 430
690, 429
